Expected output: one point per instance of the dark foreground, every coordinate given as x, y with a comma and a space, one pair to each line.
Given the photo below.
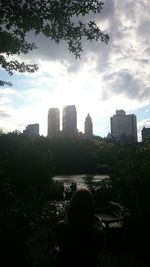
121, 258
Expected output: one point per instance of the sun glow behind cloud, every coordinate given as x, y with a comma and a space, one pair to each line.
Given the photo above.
85, 89
105, 79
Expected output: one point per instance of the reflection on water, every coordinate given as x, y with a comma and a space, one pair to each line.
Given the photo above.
81, 180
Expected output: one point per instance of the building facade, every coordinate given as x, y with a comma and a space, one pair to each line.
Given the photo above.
53, 122
123, 125
145, 134
69, 121
32, 130
88, 127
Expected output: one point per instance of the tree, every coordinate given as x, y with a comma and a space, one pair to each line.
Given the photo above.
56, 19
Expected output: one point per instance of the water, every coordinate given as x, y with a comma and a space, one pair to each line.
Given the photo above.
81, 180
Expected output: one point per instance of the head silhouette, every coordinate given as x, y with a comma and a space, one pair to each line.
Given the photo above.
81, 210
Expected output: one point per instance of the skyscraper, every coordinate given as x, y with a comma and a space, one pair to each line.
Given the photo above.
88, 127
145, 134
70, 121
53, 122
122, 124
32, 130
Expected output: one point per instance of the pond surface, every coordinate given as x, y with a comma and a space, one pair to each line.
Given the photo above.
81, 180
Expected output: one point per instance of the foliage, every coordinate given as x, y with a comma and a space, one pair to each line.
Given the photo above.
82, 156
26, 161
20, 231
58, 20
22, 206
131, 186
101, 190
26, 167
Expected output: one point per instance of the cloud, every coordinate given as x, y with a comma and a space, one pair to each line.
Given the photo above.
4, 115
6, 95
48, 50
143, 61
107, 76
147, 51
127, 83
144, 31
122, 19
108, 9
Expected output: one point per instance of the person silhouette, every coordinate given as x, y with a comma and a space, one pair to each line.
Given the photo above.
79, 239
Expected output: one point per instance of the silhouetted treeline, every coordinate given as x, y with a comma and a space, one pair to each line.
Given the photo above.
34, 160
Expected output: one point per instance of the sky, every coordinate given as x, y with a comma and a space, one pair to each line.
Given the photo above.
106, 78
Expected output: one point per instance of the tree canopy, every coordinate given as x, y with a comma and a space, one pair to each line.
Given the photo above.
59, 20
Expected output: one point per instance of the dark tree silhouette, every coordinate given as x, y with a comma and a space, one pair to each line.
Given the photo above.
54, 18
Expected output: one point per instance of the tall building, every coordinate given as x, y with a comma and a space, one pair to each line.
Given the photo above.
32, 129
123, 125
53, 122
88, 127
145, 134
69, 121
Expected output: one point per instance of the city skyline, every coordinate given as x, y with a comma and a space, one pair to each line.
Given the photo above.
106, 78
121, 124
